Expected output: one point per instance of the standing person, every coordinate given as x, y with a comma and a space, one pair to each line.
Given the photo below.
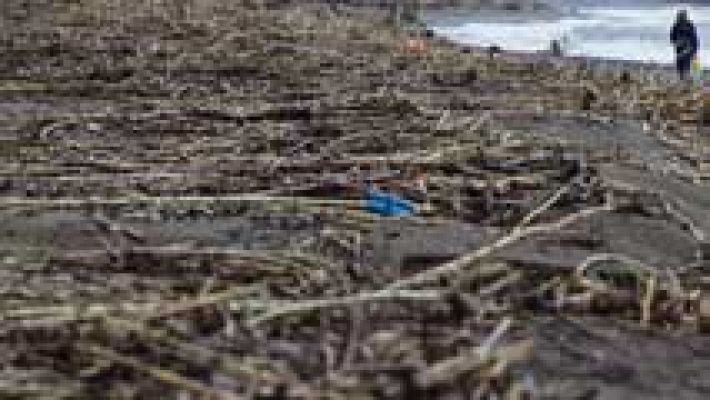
685, 39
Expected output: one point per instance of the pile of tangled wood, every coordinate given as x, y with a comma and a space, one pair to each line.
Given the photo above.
140, 121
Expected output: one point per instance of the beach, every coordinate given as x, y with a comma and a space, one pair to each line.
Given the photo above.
185, 210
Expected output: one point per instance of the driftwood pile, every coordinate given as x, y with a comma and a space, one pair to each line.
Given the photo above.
226, 113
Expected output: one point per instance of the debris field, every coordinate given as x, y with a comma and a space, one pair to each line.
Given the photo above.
182, 214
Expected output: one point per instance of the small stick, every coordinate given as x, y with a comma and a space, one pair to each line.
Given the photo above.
160, 200
474, 359
647, 302
163, 375
544, 207
309, 305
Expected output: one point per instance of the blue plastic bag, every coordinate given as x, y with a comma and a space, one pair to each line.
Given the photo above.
387, 204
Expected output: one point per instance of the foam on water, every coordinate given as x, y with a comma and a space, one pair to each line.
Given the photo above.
638, 33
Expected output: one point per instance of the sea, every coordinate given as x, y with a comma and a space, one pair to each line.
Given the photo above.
630, 32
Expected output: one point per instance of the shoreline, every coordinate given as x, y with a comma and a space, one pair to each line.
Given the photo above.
664, 70
597, 63
455, 20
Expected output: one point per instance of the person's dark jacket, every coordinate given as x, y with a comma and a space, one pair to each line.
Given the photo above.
685, 39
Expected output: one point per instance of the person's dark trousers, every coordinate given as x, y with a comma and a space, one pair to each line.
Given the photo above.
683, 66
